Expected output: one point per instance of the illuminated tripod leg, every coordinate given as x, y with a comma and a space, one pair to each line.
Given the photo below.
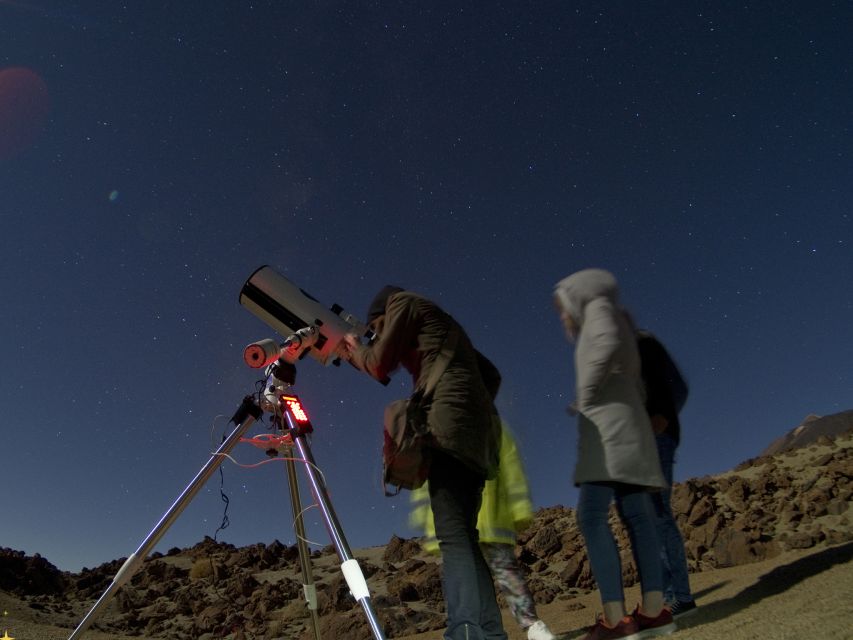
309, 590
244, 418
349, 565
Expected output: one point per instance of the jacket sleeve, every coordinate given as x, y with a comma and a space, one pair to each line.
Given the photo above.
658, 401
421, 509
516, 488
399, 331
598, 343
665, 387
421, 518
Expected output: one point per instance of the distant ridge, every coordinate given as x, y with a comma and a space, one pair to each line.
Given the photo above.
812, 428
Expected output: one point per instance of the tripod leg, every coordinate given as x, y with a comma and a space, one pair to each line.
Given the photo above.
349, 565
245, 416
308, 587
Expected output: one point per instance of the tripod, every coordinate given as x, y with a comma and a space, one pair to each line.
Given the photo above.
289, 413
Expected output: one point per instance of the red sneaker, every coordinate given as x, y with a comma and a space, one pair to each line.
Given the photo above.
661, 625
625, 629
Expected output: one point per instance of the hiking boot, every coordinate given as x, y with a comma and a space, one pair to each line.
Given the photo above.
683, 608
625, 629
538, 631
661, 625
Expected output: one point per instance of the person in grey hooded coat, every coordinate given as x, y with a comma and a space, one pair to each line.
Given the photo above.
617, 457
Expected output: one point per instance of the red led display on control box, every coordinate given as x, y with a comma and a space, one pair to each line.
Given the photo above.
296, 410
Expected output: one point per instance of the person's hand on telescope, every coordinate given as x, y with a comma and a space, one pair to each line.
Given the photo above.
348, 345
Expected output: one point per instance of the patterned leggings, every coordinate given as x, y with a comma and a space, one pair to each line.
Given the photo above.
509, 575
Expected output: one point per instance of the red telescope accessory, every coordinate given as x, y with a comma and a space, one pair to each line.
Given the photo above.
262, 353
267, 441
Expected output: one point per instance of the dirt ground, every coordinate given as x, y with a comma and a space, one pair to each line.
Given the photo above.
804, 594
797, 595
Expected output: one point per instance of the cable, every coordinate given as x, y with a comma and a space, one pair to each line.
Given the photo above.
225, 519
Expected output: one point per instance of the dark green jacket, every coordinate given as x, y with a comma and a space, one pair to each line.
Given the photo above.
462, 417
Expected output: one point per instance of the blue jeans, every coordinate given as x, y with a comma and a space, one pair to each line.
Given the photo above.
637, 512
455, 493
675, 578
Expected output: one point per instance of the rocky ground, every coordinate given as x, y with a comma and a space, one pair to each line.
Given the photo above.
769, 545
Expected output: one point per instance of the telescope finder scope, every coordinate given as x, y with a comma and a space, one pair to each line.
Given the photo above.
262, 353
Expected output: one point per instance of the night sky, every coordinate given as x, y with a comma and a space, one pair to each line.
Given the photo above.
153, 155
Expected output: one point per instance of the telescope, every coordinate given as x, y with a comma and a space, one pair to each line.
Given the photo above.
309, 327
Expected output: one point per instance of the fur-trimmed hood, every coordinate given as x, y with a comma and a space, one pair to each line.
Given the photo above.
575, 291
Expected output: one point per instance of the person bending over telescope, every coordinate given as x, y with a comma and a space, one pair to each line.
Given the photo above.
465, 433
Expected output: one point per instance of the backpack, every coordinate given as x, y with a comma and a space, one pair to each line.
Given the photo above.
405, 450
406, 437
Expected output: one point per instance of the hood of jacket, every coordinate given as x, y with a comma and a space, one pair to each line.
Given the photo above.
575, 291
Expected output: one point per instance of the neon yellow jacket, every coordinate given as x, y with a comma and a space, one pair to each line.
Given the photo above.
506, 509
